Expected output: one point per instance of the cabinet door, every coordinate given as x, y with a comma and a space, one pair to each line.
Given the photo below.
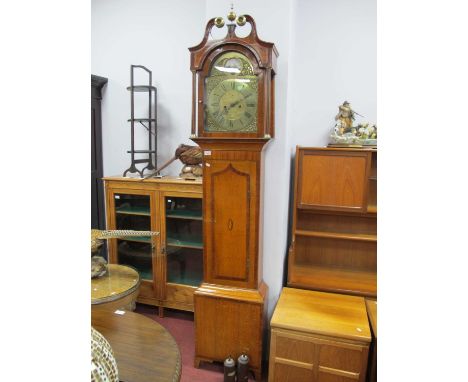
333, 180
297, 357
231, 221
292, 358
181, 247
133, 210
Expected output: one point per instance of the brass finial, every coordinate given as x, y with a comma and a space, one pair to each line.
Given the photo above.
231, 15
219, 22
241, 20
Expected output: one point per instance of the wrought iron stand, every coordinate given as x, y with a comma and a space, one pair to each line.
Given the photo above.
151, 121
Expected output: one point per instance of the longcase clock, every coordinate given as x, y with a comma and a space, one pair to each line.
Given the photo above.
232, 120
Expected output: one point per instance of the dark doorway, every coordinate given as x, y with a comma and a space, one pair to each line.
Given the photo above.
97, 191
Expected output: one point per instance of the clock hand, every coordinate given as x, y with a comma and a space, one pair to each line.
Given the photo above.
236, 102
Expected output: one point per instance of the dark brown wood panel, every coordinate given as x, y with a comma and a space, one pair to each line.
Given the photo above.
330, 180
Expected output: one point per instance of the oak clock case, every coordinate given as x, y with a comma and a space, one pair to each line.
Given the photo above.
232, 121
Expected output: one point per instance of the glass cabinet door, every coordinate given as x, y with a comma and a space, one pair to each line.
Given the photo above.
133, 212
184, 240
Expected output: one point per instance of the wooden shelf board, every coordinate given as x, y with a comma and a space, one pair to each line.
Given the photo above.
184, 243
138, 239
191, 215
336, 235
332, 279
192, 280
143, 211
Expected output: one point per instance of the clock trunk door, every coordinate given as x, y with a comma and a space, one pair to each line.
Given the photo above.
231, 215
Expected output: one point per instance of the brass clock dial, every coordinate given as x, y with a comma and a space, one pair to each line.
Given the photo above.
231, 95
232, 105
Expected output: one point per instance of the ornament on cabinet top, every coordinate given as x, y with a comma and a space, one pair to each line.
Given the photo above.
346, 133
191, 157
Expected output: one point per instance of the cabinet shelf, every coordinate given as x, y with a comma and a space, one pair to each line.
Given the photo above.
331, 279
184, 243
138, 239
335, 235
181, 214
143, 211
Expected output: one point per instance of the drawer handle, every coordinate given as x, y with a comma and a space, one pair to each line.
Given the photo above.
230, 224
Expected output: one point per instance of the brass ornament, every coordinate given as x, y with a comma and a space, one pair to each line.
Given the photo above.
231, 15
241, 20
219, 22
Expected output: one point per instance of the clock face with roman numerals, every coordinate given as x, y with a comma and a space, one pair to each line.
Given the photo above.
231, 95
232, 106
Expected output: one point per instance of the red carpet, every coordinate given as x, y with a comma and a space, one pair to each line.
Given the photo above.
180, 325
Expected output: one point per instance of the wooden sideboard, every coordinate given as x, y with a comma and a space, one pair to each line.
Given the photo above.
317, 336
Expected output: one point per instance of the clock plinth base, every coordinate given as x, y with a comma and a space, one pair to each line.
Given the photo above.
230, 321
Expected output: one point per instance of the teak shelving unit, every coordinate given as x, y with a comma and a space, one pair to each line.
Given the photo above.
172, 269
334, 238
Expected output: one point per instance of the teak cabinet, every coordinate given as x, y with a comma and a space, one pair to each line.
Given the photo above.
334, 238
318, 337
171, 268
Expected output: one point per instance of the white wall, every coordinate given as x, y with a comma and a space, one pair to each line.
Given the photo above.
155, 34
327, 55
333, 59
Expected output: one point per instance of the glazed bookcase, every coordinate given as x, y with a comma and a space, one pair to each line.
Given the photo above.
170, 266
334, 236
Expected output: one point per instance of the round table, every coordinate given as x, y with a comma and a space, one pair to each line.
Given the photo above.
117, 289
144, 350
